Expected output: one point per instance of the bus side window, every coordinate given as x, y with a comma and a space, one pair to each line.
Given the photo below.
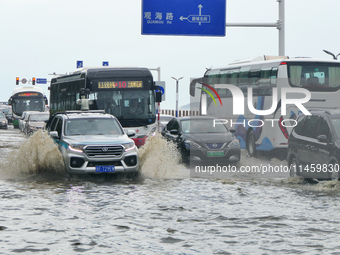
273, 76
213, 78
234, 73
225, 77
244, 75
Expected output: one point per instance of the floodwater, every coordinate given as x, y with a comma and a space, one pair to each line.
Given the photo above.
166, 211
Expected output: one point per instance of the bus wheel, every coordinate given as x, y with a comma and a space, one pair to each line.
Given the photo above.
251, 144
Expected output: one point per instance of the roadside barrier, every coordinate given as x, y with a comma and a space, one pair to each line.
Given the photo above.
180, 112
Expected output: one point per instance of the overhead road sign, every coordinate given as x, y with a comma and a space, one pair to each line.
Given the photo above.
184, 17
79, 63
41, 80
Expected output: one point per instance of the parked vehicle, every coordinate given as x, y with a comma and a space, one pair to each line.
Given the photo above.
314, 145
3, 121
203, 139
35, 121
23, 120
8, 113
93, 142
164, 119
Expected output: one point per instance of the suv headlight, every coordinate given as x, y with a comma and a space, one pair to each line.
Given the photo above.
76, 148
191, 145
129, 146
233, 143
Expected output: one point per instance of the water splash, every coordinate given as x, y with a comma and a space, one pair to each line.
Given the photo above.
160, 159
36, 155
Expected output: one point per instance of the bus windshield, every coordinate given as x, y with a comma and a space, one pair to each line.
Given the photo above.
130, 107
19, 105
314, 76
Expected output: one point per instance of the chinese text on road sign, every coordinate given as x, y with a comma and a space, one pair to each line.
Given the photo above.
184, 17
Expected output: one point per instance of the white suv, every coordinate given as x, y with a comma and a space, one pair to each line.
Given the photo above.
93, 142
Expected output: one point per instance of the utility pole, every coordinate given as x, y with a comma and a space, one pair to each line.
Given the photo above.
177, 93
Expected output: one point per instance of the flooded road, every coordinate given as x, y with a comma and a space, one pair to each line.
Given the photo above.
165, 211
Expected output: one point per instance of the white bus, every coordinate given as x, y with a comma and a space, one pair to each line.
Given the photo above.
26, 99
257, 132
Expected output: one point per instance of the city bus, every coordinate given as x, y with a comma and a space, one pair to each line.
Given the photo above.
264, 82
128, 93
26, 99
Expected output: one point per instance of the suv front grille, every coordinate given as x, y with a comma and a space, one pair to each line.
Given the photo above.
104, 151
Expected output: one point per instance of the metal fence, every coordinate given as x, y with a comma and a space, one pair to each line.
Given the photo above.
180, 112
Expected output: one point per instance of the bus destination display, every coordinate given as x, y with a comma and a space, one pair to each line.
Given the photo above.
119, 84
27, 94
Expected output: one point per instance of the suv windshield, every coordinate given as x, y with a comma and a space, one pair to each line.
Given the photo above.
92, 126
336, 125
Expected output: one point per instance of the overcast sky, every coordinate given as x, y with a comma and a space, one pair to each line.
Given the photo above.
39, 37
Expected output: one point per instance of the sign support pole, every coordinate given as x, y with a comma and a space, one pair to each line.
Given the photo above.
280, 25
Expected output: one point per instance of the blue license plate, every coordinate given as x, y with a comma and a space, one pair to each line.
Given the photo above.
105, 169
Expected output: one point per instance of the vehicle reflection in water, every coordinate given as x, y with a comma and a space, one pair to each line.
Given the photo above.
165, 212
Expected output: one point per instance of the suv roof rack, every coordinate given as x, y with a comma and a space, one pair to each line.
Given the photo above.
88, 111
79, 112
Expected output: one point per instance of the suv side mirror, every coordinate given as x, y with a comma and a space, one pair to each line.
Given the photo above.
322, 138
54, 134
174, 132
130, 132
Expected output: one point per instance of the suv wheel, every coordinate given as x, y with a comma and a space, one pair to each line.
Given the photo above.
334, 171
293, 169
251, 144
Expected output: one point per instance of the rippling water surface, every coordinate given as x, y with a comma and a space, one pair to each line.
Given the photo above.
163, 212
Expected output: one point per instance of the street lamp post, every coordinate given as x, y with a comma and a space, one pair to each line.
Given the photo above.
176, 94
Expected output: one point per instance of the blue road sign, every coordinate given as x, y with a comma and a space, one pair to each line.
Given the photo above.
79, 64
41, 80
184, 17
105, 63
161, 85
162, 90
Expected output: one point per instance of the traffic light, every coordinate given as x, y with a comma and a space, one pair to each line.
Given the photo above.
17, 81
33, 81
